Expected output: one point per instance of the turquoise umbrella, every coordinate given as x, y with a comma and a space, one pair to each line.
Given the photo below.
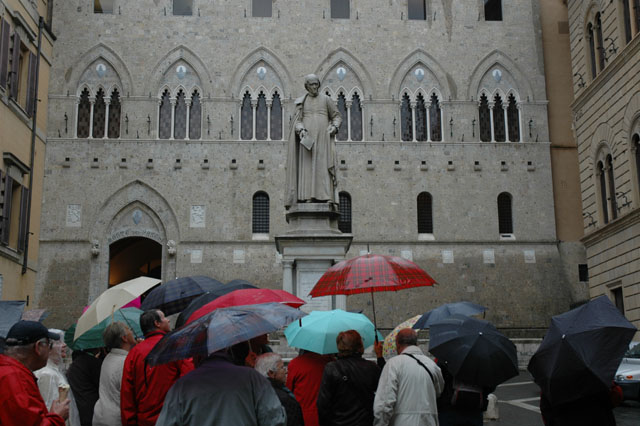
92, 338
317, 331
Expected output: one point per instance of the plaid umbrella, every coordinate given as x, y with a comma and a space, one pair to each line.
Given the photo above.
221, 329
249, 296
210, 296
369, 273
175, 295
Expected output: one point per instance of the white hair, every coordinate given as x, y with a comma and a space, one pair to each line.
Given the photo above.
267, 362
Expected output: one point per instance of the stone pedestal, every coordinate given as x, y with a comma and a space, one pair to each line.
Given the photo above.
311, 246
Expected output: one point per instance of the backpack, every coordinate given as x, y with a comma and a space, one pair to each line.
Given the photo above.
467, 397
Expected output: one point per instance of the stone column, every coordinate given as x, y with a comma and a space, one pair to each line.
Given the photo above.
520, 139
188, 103
75, 132
107, 102
92, 102
428, 110
287, 277
413, 105
254, 107
159, 105
506, 123
172, 101
269, 103
493, 137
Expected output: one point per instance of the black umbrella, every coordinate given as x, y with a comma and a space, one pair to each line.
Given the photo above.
445, 311
207, 297
173, 296
581, 351
476, 353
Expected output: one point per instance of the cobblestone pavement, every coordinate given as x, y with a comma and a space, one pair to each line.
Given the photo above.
519, 401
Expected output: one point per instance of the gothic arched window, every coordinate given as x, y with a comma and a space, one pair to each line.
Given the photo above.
626, 16
498, 120
276, 118
602, 180
355, 125
113, 132
99, 115
425, 213
484, 119
612, 188
84, 115
421, 119
343, 131
164, 125
505, 219
261, 118
180, 117
601, 51
435, 119
344, 208
406, 121
260, 219
635, 142
246, 118
513, 118
195, 117
592, 50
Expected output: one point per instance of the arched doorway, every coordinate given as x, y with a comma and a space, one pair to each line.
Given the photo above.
133, 257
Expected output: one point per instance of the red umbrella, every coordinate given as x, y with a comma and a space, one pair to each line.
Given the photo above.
249, 296
369, 273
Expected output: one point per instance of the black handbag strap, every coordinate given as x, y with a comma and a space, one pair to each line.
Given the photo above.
423, 366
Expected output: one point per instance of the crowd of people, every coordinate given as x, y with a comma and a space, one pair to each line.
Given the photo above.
246, 384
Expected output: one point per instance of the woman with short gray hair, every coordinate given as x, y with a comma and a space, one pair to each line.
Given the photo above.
271, 366
118, 338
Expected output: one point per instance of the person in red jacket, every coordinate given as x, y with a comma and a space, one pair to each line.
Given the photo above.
27, 350
303, 379
144, 387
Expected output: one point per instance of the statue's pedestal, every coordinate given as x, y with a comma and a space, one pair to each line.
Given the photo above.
311, 246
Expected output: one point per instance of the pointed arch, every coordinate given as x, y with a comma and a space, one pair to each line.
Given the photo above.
631, 115
498, 58
100, 51
420, 57
346, 57
179, 53
601, 141
252, 59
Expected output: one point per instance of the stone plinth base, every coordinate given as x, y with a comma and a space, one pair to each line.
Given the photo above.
311, 246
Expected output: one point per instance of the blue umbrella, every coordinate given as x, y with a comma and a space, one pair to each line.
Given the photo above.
318, 331
175, 295
221, 329
445, 311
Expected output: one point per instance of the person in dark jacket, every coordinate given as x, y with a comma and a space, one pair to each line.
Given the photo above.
84, 379
590, 410
348, 385
271, 366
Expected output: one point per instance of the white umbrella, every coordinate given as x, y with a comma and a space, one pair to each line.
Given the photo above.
111, 300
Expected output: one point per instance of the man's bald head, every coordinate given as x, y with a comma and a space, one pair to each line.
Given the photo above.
406, 337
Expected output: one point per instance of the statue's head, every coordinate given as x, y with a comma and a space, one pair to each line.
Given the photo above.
312, 84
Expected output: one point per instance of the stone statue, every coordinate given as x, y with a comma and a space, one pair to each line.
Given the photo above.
95, 247
171, 248
311, 168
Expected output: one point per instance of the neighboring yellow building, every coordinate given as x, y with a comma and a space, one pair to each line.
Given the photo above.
605, 53
22, 162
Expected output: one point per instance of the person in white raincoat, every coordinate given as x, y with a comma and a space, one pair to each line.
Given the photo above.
407, 391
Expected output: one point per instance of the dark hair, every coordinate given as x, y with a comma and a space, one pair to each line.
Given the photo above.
113, 334
349, 343
407, 337
148, 320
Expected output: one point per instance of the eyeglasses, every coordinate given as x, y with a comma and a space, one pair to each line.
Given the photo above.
47, 341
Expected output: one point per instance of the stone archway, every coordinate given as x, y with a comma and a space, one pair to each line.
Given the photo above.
132, 257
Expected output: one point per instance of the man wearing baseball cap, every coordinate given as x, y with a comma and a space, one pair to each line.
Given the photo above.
27, 349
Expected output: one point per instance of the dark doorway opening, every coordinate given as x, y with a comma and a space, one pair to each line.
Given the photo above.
134, 257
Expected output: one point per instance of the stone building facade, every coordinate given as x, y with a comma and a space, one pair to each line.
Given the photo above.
605, 52
178, 111
23, 151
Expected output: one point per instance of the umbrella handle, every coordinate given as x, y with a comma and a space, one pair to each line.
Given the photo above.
375, 325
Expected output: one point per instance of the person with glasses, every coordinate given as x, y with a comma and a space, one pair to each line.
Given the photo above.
28, 346
271, 366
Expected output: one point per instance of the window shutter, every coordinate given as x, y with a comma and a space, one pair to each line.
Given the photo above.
4, 53
22, 224
31, 84
6, 210
15, 66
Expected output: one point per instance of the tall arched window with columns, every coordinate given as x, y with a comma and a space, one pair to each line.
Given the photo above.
513, 120
602, 183
406, 119
435, 119
113, 131
484, 121
592, 50
498, 119
98, 117
355, 118
246, 117
195, 117
180, 117
164, 116
84, 115
343, 131
421, 119
276, 117
261, 117
612, 188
